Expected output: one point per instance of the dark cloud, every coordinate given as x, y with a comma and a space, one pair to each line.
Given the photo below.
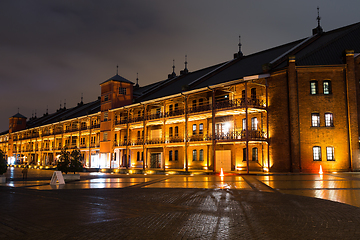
56, 50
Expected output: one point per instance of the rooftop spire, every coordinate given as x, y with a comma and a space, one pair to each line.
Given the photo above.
117, 69
318, 29
239, 54
173, 74
137, 80
318, 17
185, 71
173, 66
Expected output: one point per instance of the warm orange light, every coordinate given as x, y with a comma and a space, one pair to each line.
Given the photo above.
221, 173
321, 171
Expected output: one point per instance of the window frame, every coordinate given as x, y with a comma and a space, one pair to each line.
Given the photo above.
254, 123
194, 129
328, 88
176, 155
329, 122
315, 122
316, 153
194, 155
255, 154
201, 155
122, 90
314, 89
201, 128
330, 155
170, 155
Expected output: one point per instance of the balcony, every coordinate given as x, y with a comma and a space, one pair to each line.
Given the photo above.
59, 131
200, 108
176, 112
154, 116
200, 137
95, 126
241, 135
176, 139
136, 119
84, 128
155, 141
121, 121
240, 103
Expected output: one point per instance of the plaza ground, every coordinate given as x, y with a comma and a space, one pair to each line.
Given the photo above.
137, 206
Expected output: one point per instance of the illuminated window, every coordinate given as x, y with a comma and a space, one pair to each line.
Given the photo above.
176, 131
170, 155
82, 141
255, 154
329, 120
194, 129
317, 153
106, 114
313, 87
315, 120
330, 153
201, 128
244, 154
122, 90
254, 123
327, 87
170, 132
106, 98
244, 124
194, 153
201, 155
176, 155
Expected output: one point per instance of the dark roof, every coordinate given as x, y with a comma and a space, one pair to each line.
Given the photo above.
326, 48
18, 115
118, 78
65, 114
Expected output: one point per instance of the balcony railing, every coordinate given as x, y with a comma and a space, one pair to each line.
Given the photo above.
241, 135
121, 121
95, 126
136, 119
240, 102
200, 137
176, 139
155, 141
154, 116
173, 113
200, 108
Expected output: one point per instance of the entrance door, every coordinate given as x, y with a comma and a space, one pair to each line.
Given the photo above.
155, 160
223, 160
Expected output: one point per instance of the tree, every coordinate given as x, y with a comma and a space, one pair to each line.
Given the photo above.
75, 162
3, 163
64, 161
70, 162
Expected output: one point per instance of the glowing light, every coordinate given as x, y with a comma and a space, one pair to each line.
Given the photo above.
334, 172
221, 173
266, 169
321, 171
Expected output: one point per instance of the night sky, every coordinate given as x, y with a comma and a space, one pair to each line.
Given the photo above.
56, 50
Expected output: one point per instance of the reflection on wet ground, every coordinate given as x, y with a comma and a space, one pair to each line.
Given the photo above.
340, 187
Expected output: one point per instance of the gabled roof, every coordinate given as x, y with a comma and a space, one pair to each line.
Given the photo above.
117, 78
18, 115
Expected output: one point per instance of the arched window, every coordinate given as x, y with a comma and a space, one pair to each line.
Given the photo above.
170, 132
176, 131
255, 154
194, 155
201, 128
327, 87
201, 155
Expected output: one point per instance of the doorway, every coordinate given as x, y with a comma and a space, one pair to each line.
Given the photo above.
155, 160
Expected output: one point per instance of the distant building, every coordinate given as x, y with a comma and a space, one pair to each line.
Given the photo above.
289, 108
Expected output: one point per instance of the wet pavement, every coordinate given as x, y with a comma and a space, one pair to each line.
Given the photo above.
115, 206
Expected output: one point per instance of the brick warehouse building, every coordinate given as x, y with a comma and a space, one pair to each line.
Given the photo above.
289, 108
